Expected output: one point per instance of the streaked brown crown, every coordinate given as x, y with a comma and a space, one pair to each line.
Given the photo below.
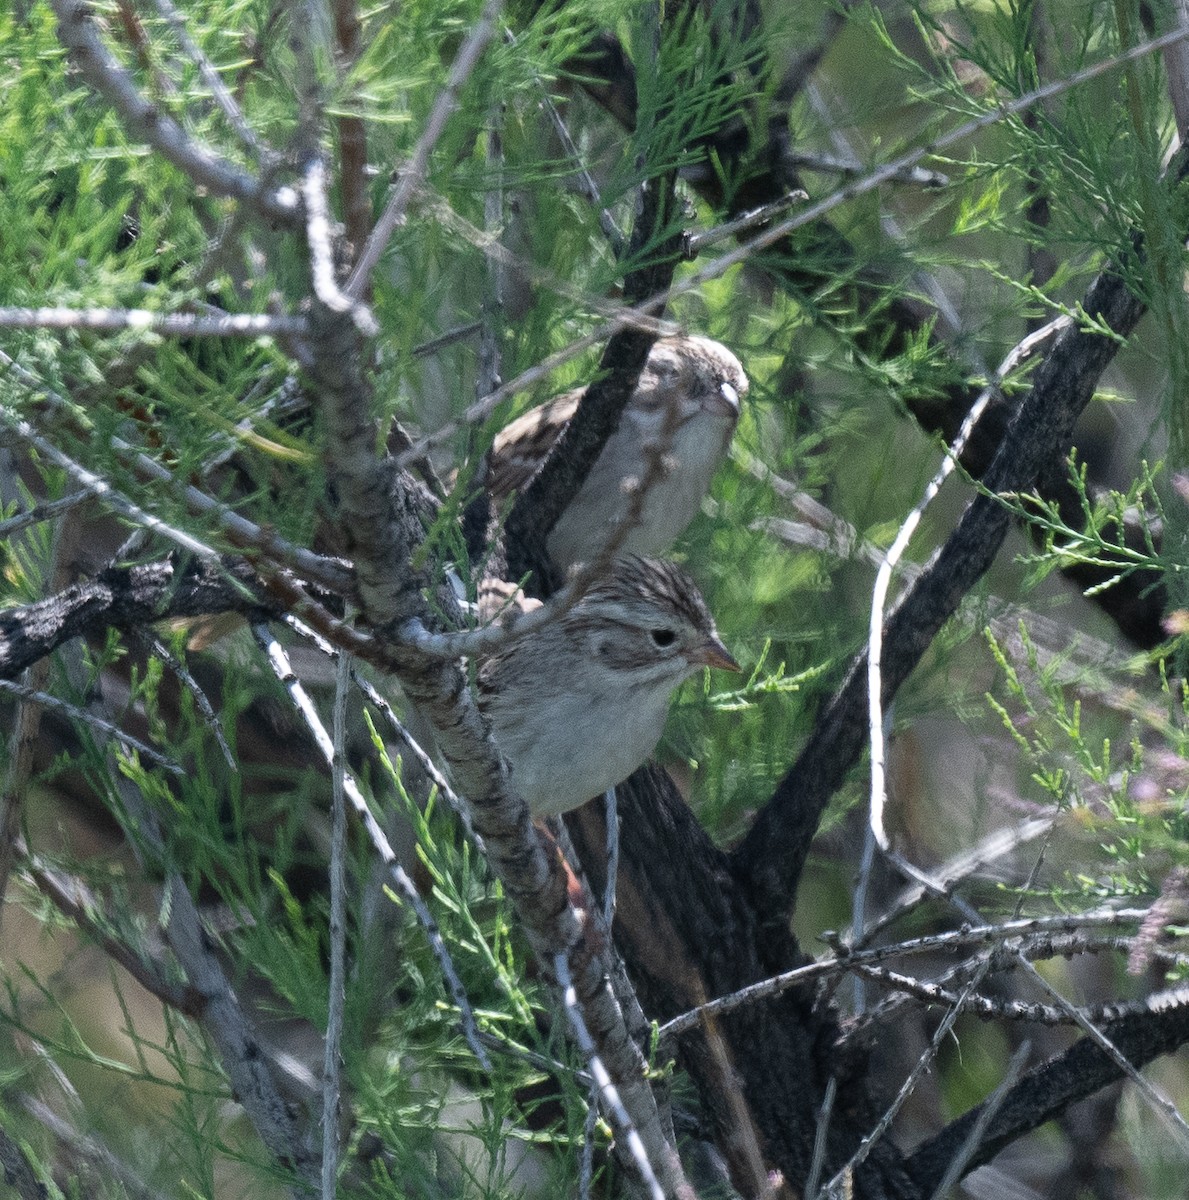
635, 588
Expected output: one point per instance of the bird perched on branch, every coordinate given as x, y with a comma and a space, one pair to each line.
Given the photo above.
577, 705
671, 438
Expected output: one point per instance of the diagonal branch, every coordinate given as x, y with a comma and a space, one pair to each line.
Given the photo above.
125, 598
770, 858
1048, 1090
78, 33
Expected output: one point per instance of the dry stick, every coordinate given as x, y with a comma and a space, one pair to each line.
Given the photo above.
846, 959
223, 1020
490, 365
922, 1065
213, 80
404, 886
78, 33
1014, 1010
43, 512
590, 189
32, 695
1002, 958
1067, 947
424, 761
818, 1161
217, 1005
694, 244
824, 164
978, 1130
1161, 1104
1176, 67
1018, 354
122, 597
71, 896
209, 716
608, 1092
104, 491
620, 985
19, 1172
75, 1150
458, 334
336, 984
318, 237
26, 723
994, 846
143, 320
414, 170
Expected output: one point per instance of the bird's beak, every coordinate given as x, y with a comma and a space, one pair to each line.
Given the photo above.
712, 653
730, 395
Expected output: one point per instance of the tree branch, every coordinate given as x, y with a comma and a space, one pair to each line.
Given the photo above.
125, 598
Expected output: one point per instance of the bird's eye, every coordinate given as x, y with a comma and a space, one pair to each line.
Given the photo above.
662, 637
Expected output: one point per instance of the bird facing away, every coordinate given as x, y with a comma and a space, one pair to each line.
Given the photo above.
579, 704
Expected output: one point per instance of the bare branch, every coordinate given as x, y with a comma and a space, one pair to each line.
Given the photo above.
414, 170
76, 28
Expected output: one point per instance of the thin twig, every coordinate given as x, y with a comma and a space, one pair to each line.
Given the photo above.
142, 320
71, 896
490, 371
413, 172
239, 530
608, 1092
46, 511
104, 490
404, 887
213, 80
994, 846
31, 695
424, 761
79, 34
209, 716
75, 1149
694, 244
1148, 1090
813, 1179
883, 580
978, 1130
336, 984
923, 1064
318, 238
590, 189
968, 936
1012, 1010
